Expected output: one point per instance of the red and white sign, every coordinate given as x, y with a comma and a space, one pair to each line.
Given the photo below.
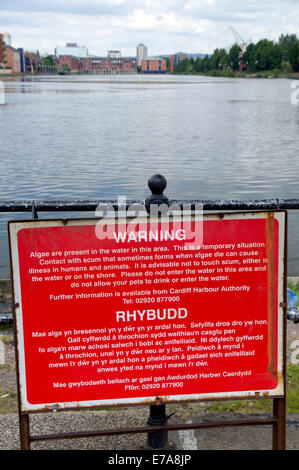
128, 319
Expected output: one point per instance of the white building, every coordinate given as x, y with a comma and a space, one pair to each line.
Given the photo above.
7, 39
114, 54
72, 49
141, 53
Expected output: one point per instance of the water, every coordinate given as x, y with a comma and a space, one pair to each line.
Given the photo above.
96, 137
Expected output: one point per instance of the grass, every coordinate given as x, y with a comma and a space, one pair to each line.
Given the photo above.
5, 327
8, 402
263, 405
292, 380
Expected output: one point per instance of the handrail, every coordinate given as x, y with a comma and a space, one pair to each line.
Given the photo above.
92, 205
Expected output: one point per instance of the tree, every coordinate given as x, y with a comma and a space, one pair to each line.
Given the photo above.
197, 65
167, 64
48, 61
289, 45
204, 65
249, 57
294, 56
224, 59
218, 59
286, 42
268, 55
184, 66
233, 57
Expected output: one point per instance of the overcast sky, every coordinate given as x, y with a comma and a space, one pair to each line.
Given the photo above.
165, 26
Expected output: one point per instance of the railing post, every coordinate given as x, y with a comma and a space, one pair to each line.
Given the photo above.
24, 431
279, 428
157, 183
157, 439
157, 417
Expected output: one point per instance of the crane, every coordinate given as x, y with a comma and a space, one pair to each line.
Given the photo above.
242, 44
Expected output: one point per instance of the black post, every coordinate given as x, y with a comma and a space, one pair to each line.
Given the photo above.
157, 417
157, 439
157, 183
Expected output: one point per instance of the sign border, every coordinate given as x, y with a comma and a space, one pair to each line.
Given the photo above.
25, 407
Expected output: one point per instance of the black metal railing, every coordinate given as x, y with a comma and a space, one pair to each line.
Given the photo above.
207, 205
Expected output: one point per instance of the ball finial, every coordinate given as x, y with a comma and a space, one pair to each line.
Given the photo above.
157, 184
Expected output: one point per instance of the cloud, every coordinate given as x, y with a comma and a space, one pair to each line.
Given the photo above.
166, 26
74, 7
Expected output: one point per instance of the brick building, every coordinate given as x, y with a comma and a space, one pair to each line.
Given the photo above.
68, 62
86, 65
2, 52
32, 62
128, 65
154, 65
13, 61
108, 65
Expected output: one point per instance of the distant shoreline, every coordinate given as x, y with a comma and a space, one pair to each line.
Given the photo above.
266, 74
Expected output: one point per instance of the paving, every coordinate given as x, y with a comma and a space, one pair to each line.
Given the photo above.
230, 438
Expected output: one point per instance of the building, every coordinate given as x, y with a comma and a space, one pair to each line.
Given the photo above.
68, 63
2, 52
86, 65
32, 62
22, 60
13, 61
128, 65
175, 59
114, 54
71, 49
153, 65
7, 39
108, 65
141, 53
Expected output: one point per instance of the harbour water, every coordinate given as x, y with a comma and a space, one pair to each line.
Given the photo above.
96, 137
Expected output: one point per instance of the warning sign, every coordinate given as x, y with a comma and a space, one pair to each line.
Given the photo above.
143, 314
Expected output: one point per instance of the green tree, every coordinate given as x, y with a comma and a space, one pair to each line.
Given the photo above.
289, 45
223, 60
218, 59
204, 65
184, 66
167, 64
268, 55
294, 56
250, 58
49, 61
197, 65
233, 57
286, 43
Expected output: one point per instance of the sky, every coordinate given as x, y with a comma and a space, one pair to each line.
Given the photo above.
164, 26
